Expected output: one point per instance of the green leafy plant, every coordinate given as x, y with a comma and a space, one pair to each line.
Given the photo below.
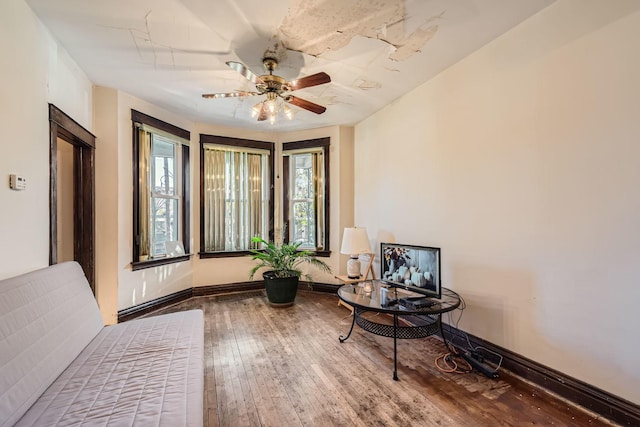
284, 259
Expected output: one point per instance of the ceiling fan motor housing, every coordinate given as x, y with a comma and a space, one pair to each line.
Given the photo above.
270, 64
272, 83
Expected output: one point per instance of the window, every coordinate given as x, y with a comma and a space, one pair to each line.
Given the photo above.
306, 194
237, 195
161, 192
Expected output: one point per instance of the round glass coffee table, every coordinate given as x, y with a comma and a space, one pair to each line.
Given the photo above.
366, 299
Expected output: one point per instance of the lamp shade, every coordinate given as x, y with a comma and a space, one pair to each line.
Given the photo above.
355, 241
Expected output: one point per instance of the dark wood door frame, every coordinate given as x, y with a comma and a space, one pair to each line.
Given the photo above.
64, 127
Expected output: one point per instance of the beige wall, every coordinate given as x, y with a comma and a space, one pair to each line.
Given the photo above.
521, 162
105, 119
34, 71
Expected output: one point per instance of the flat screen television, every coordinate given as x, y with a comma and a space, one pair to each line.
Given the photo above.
414, 268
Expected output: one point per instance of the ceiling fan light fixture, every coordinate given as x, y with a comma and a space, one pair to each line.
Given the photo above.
256, 109
288, 113
272, 106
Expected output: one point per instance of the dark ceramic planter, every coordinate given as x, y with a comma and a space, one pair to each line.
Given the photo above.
281, 291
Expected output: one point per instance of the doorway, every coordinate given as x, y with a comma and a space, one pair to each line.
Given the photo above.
65, 205
71, 193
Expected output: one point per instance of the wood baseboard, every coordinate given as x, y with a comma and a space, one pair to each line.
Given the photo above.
319, 287
592, 398
612, 407
201, 291
149, 306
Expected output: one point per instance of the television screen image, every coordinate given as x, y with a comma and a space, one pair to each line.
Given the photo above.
415, 268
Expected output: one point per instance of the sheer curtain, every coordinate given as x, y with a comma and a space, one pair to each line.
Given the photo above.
214, 200
144, 192
234, 199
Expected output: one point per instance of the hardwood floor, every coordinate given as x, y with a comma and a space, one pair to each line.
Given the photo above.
269, 366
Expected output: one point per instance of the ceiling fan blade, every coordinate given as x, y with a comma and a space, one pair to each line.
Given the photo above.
246, 73
236, 94
312, 80
263, 113
307, 105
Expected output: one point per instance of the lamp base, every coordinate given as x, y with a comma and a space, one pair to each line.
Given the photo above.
353, 268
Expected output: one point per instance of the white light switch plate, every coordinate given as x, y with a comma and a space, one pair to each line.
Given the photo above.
17, 182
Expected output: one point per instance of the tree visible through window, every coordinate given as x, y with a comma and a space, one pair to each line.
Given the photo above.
303, 202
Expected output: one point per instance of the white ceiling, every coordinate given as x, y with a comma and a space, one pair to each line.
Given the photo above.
169, 52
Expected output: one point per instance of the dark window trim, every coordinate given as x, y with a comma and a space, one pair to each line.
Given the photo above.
235, 142
322, 254
140, 265
323, 143
205, 255
285, 200
145, 119
138, 117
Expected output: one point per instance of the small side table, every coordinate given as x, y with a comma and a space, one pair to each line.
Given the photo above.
347, 281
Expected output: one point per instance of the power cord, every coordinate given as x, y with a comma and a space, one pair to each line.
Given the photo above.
451, 362
474, 357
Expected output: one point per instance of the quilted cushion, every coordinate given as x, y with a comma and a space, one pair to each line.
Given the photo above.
46, 318
146, 372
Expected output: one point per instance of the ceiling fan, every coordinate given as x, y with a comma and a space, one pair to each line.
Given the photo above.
275, 88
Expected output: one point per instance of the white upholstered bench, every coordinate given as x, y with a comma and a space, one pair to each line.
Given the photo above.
59, 365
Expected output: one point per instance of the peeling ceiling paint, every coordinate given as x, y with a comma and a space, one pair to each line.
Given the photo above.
304, 29
170, 52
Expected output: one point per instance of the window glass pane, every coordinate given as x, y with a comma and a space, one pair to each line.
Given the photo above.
303, 187
304, 226
164, 223
163, 153
303, 201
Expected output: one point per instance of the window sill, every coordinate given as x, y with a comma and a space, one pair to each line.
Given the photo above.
140, 265
322, 254
204, 255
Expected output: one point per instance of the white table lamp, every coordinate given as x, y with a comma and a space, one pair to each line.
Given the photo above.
354, 242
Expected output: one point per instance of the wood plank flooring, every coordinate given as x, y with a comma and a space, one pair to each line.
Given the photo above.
269, 366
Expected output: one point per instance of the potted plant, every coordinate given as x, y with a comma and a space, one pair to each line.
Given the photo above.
283, 261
